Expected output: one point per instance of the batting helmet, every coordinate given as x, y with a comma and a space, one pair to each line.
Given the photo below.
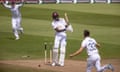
55, 16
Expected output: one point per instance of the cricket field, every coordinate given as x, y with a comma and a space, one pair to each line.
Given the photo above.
103, 20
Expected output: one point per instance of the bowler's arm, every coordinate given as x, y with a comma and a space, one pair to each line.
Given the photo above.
6, 5
21, 3
77, 52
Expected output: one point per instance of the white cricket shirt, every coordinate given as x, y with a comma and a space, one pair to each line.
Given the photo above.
59, 24
15, 11
90, 45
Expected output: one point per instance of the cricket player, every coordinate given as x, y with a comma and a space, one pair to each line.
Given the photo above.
93, 55
60, 26
16, 17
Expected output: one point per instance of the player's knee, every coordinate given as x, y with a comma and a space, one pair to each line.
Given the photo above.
56, 44
62, 50
14, 29
55, 50
99, 68
63, 44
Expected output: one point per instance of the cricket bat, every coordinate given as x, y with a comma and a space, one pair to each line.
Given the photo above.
66, 18
69, 28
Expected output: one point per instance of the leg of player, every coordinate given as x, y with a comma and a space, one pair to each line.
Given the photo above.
55, 51
14, 26
55, 57
62, 52
62, 56
103, 68
89, 64
20, 29
16, 34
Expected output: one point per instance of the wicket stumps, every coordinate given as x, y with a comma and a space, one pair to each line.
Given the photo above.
46, 45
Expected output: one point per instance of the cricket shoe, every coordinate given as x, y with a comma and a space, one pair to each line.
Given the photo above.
21, 31
111, 67
56, 64
17, 38
53, 64
62, 65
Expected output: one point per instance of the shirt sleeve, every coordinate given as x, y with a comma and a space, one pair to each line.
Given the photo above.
53, 25
94, 41
83, 44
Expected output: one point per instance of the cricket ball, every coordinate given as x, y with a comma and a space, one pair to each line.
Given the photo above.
39, 65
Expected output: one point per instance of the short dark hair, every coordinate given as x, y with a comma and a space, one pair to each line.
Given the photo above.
86, 33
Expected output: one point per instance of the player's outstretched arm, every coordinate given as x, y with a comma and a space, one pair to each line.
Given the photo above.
21, 3
5, 4
77, 52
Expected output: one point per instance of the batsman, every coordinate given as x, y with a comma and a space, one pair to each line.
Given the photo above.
60, 25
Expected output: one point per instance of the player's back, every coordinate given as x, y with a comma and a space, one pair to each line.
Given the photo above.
91, 46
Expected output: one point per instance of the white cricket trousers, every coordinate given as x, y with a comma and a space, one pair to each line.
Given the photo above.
60, 40
16, 26
94, 60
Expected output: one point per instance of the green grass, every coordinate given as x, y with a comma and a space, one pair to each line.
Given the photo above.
103, 20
